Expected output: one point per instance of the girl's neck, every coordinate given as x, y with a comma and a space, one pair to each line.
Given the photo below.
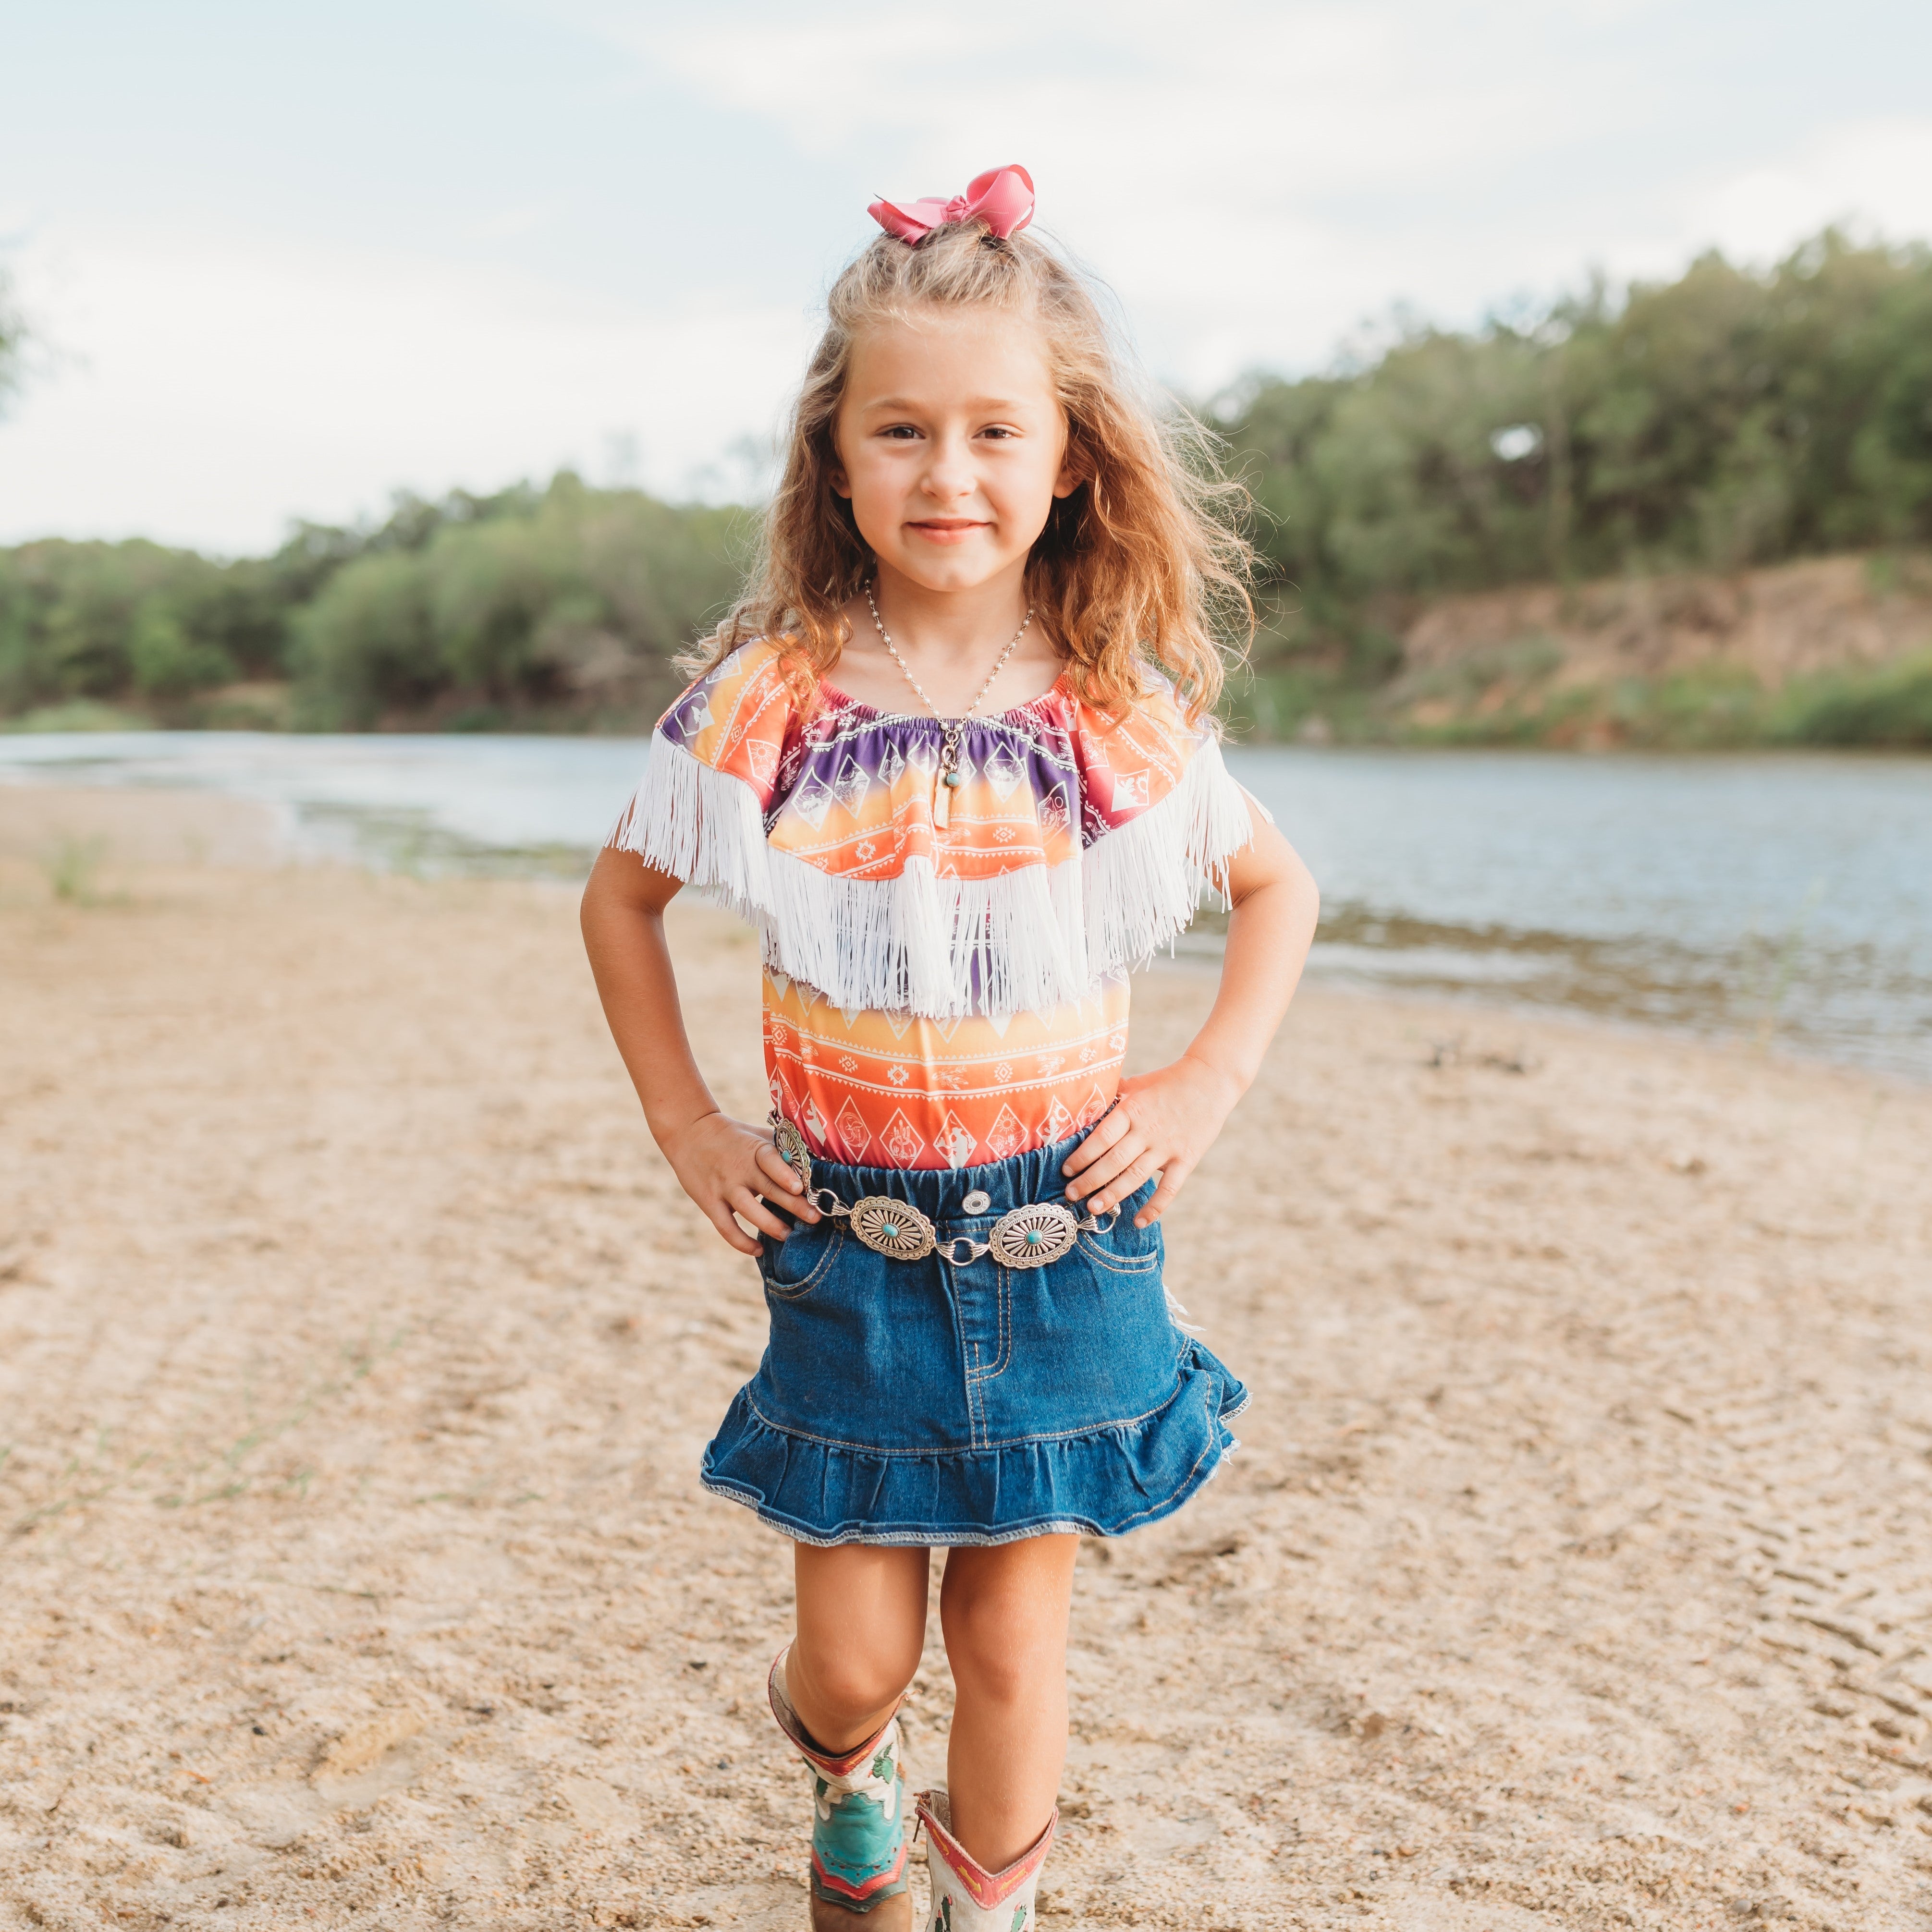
949, 640
943, 626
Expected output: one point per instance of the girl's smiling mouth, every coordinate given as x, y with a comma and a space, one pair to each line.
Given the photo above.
947, 529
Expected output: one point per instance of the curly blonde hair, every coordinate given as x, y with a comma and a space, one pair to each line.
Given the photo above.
1147, 559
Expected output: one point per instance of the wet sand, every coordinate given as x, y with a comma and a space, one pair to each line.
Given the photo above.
356, 1351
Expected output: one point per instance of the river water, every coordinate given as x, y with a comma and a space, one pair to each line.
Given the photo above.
1786, 899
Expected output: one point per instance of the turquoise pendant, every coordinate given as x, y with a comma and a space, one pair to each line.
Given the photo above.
956, 779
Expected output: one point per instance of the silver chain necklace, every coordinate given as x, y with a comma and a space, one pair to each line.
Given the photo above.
951, 729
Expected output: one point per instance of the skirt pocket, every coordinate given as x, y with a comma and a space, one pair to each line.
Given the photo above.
1125, 1249
794, 1267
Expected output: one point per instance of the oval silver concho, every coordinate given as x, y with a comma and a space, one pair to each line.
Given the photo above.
893, 1228
1030, 1237
793, 1151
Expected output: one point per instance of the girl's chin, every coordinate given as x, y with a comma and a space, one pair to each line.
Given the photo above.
948, 566
942, 581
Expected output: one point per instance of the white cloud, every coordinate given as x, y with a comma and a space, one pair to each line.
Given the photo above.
1220, 197
1878, 176
1253, 210
214, 386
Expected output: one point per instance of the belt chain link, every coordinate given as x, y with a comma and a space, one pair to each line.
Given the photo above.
1023, 1238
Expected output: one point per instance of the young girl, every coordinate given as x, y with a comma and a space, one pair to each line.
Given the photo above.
953, 757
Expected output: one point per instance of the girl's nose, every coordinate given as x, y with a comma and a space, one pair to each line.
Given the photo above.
949, 475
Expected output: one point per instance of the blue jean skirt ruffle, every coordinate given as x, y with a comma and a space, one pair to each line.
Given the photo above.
927, 1402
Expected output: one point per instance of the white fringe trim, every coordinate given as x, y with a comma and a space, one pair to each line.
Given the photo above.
922, 944
701, 825
1143, 881
1028, 941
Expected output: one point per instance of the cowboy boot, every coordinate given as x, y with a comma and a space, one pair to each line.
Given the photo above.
858, 1824
967, 1897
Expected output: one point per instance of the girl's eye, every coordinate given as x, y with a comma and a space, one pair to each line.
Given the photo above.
1000, 431
900, 432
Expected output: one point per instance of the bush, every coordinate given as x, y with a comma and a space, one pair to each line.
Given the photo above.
365, 645
561, 605
568, 606
1890, 707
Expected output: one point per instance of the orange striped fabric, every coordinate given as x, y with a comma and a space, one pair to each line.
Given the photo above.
891, 1090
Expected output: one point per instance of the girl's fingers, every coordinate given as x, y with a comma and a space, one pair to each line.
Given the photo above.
733, 1234
1110, 1128
1106, 1175
749, 1207
773, 1166
1173, 1178
1125, 1182
770, 1162
1116, 1160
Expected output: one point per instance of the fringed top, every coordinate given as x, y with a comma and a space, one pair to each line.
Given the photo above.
938, 993
1075, 848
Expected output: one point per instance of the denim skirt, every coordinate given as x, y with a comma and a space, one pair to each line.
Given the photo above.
928, 1402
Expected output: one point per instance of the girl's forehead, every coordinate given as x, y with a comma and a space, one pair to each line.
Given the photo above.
938, 349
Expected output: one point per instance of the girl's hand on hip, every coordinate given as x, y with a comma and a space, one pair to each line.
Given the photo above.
734, 1173
1162, 1123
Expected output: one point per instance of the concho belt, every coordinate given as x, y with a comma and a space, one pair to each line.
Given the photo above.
1023, 1238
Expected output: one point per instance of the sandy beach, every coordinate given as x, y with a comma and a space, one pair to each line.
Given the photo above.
357, 1349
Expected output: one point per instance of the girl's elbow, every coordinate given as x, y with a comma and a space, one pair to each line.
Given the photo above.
621, 884
596, 894
1306, 889
1287, 869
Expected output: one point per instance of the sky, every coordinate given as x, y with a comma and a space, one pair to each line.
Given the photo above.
280, 262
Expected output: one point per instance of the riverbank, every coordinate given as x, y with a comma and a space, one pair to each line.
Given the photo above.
1832, 651
356, 1350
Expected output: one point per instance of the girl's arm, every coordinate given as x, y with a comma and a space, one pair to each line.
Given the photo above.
1165, 1121
730, 1169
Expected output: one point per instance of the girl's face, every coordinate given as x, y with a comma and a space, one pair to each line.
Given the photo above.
952, 445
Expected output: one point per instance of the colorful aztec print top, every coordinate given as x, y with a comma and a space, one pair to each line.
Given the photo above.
938, 993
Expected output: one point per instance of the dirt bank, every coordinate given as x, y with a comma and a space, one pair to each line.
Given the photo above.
1826, 613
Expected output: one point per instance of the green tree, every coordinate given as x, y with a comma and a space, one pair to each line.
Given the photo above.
569, 602
1727, 417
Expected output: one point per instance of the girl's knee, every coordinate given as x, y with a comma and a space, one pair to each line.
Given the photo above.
993, 1675
1005, 1650
849, 1680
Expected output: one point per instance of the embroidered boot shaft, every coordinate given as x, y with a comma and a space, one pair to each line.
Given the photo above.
967, 1897
858, 1809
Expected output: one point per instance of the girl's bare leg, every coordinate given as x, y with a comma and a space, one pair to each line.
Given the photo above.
861, 1627
1004, 1612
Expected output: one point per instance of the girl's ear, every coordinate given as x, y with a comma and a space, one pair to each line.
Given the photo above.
1076, 468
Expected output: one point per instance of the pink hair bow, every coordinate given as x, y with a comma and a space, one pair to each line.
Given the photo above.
1002, 198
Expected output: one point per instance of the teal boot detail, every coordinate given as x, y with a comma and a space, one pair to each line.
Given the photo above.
858, 1810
